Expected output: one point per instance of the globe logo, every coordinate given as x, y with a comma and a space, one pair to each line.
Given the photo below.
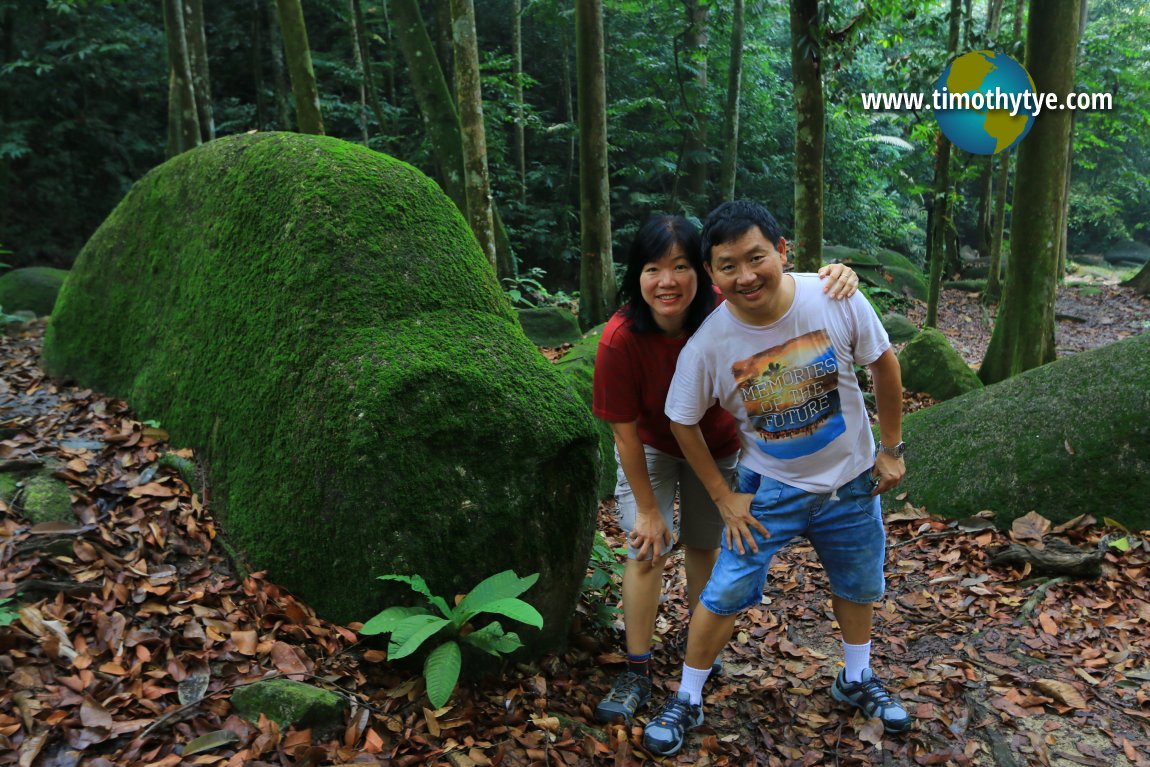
974, 97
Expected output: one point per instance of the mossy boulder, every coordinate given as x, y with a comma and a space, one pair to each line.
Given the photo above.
888, 257
930, 364
45, 499
579, 367
1064, 439
840, 253
898, 327
31, 289
288, 703
550, 326
966, 286
1129, 252
317, 320
908, 282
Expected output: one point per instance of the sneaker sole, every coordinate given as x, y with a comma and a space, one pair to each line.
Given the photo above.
606, 716
893, 729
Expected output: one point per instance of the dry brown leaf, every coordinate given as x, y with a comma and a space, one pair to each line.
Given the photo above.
1048, 624
245, 642
1031, 529
1064, 692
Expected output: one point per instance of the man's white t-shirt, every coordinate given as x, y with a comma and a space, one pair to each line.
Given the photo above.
791, 385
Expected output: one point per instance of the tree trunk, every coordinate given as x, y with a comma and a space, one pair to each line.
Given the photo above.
940, 202
183, 121
198, 53
1141, 281
357, 57
279, 67
810, 134
298, 54
437, 108
731, 123
1023, 336
443, 39
476, 184
1064, 224
363, 54
518, 139
695, 154
994, 278
597, 273
256, 64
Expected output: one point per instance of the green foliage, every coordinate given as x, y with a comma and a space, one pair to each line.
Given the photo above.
411, 627
603, 585
8, 612
527, 290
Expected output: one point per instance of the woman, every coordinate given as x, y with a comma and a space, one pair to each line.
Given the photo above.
668, 294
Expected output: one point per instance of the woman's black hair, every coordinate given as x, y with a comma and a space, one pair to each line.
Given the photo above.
653, 241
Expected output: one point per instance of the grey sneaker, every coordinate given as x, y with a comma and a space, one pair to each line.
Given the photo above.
629, 693
664, 734
872, 698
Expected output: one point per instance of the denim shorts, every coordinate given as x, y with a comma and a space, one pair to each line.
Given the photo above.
700, 524
845, 527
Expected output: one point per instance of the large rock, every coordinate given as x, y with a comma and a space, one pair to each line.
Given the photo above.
899, 327
32, 289
1068, 438
930, 364
317, 319
579, 367
549, 326
1129, 252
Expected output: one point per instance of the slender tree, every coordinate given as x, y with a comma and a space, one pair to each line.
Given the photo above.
597, 273
518, 138
183, 119
367, 70
731, 122
986, 164
279, 68
1065, 217
810, 133
695, 155
298, 54
198, 53
1023, 336
994, 279
357, 57
940, 210
476, 183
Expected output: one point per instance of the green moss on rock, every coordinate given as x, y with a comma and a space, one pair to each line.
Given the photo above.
930, 364
549, 326
46, 499
908, 282
579, 367
899, 328
32, 289
288, 703
888, 257
1064, 439
832, 253
8, 484
318, 321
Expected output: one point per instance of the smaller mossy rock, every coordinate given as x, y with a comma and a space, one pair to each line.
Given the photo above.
908, 282
45, 499
1064, 439
899, 328
930, 364
833, 253
32, 289
578, 365
1130, 252
8, 487
287, 703
979, 272
888, 257
966, 286
549, 326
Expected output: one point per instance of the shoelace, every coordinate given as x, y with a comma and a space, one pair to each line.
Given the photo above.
875, 690
629, 684
674, 711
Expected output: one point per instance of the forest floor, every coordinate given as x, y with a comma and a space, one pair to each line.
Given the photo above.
134, 629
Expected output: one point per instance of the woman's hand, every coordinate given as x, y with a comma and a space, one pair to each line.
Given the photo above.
841, 280
650, 535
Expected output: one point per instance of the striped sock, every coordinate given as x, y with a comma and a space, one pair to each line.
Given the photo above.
639, 664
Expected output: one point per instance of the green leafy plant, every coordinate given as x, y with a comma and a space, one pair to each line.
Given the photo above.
528, 291
602, 586
411, 627
8, 613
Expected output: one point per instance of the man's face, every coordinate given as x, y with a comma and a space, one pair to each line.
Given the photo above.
749, 271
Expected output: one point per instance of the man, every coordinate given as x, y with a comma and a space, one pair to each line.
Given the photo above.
779, 356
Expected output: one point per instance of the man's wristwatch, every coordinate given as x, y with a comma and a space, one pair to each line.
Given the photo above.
897, 451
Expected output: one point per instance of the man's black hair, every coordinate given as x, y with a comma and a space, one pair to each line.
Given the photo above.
732, 220
654, 240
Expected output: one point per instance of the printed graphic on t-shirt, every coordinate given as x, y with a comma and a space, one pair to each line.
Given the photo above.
791, 395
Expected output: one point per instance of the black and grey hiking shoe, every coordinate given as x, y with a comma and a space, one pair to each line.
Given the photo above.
872, 698
630, 692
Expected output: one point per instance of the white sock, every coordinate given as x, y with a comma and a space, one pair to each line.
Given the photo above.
693, 681
857, 657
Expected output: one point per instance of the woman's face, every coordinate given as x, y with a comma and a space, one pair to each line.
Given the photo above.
668, 286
